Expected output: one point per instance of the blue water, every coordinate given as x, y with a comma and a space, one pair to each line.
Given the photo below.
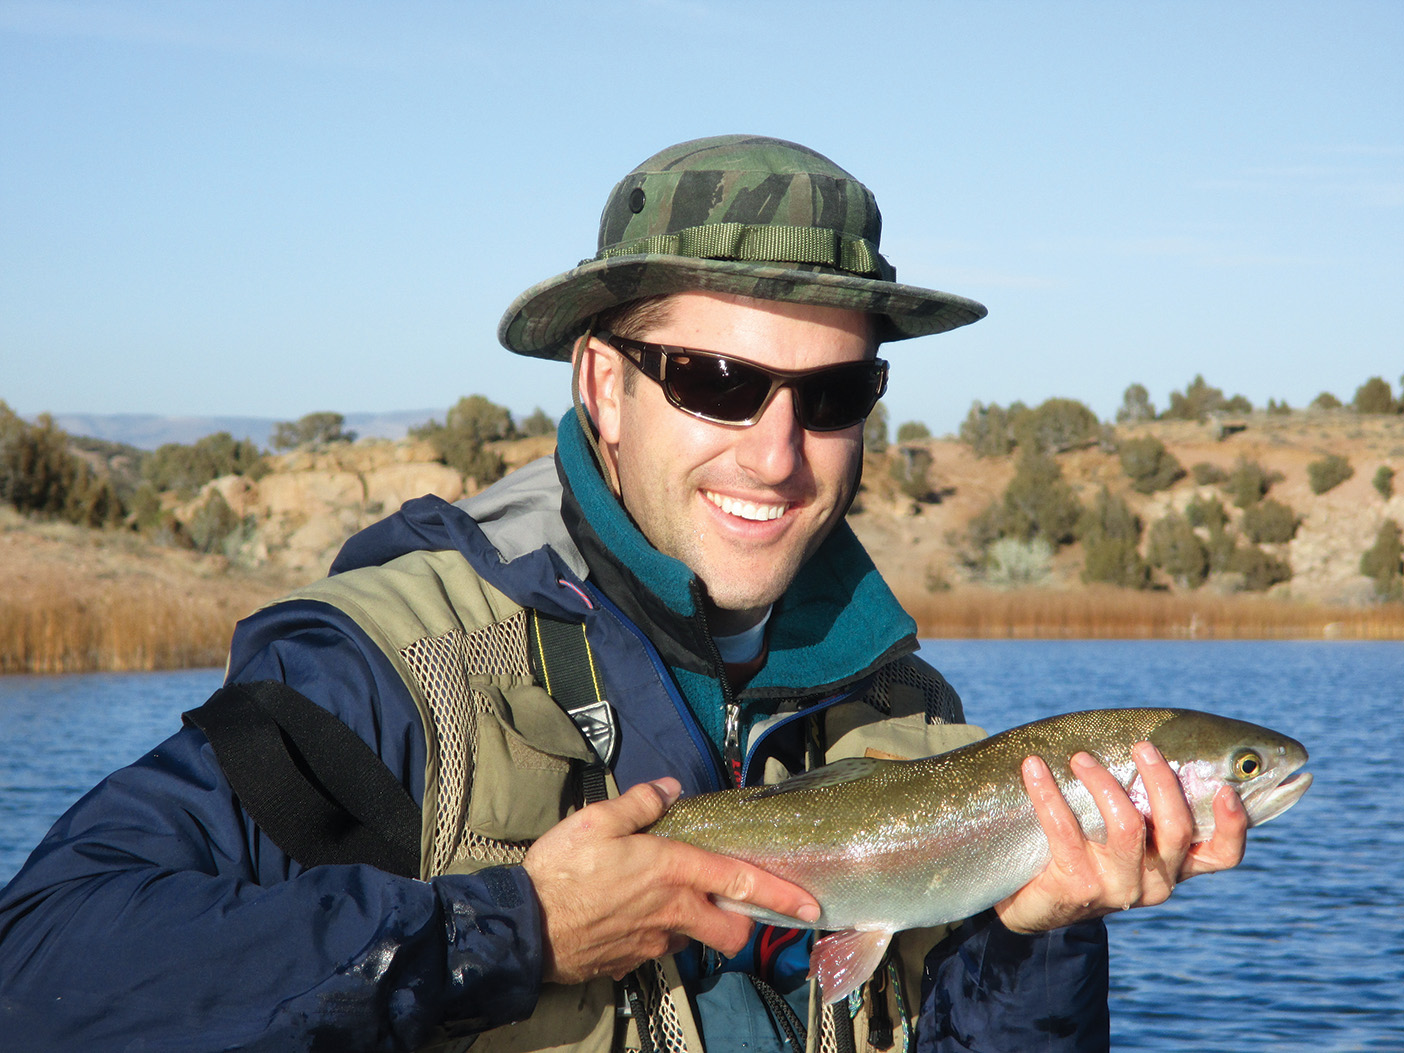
1300, 948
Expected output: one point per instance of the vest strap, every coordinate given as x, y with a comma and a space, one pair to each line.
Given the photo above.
309, 782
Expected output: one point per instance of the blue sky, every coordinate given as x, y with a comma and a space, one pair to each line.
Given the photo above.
271, 209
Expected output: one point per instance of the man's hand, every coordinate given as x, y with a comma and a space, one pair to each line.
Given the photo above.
1141, 861
612, 898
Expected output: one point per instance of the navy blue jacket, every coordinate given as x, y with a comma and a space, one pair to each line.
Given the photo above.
157, 915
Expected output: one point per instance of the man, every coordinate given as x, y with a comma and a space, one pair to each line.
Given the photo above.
724, 345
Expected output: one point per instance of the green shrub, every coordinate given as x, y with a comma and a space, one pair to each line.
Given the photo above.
986, 429
1374, 396
461, 439
1110, 534
1328, 473
1174, 547
1278, 409
146, 511
1116, 562
1055, 424
1221, 547
911, 469
538, 423
1209, 513
1039, 503
875, 430
1269, 522
40, 475
1109, 516
1384, 481
912, 431
1383, 562
213, 524
1149, 465
1325, 401
1248, 483
1011, 562
1206, 474
1260, 571
312, 430
185, 468
1199, 399
1135, 405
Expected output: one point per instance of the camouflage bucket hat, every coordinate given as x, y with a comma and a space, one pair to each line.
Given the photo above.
737, 214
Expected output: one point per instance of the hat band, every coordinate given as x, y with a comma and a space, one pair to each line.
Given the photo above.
763, 243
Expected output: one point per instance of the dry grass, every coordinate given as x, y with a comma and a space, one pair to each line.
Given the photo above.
1109, 613
63, 634
78, 601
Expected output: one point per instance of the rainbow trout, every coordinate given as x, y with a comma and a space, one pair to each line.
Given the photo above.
888, 845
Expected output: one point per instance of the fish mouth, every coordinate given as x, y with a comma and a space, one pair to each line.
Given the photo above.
1268, 802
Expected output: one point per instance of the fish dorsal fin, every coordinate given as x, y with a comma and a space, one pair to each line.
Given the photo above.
850, 769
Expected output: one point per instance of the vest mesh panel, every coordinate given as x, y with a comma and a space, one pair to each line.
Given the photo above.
942, 701
442, 666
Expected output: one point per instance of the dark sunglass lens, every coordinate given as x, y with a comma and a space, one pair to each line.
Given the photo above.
839, 398
715, 387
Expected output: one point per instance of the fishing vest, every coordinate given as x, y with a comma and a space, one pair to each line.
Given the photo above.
504, 763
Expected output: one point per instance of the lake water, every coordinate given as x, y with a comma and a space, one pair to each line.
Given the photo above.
1300, 948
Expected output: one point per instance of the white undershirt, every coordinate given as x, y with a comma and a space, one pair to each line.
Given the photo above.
743, 646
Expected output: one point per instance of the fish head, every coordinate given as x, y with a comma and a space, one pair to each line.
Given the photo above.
1208, 752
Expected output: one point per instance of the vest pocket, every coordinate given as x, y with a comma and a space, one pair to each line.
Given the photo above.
522, 785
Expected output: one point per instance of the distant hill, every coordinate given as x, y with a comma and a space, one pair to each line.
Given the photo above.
147, 431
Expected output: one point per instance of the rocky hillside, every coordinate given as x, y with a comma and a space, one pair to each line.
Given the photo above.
289, 520
311, 501
926, 545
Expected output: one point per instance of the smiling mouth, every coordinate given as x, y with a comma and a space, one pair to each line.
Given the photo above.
745, 509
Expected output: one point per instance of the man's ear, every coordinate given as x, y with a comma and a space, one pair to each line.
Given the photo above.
602, 386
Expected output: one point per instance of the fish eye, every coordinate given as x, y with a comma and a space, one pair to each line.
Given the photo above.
1247, 764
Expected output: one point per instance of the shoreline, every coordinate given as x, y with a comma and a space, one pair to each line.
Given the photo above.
127, 627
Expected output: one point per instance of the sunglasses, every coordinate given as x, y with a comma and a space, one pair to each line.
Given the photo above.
727, 390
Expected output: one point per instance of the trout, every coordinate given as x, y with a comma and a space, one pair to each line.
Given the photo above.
886, 845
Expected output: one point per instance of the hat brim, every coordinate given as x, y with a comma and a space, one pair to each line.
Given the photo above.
544, 321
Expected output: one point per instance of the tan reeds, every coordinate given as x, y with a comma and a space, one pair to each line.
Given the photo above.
140, 630
1109, 613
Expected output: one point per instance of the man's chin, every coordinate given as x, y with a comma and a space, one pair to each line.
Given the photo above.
737, 605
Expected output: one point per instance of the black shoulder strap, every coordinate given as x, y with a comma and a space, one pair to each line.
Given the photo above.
310, 782
563, 663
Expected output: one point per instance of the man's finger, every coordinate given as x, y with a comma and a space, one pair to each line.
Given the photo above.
1172, 822
640, 806
1126, 827
1060, 825
1225, 849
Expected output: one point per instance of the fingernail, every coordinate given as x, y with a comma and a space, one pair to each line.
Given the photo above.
1146, 753
808, 913
670, 792
1083, 760
1233, 802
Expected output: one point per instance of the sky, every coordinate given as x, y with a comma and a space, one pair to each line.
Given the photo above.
272, 209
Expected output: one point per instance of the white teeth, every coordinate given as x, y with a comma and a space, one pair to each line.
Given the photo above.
745, 509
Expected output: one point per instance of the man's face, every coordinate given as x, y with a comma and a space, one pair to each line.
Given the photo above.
743, 507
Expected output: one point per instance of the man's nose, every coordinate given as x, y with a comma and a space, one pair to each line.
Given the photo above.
772, 448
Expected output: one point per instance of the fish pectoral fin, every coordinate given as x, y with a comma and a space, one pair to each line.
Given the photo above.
844, 960
850, 769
